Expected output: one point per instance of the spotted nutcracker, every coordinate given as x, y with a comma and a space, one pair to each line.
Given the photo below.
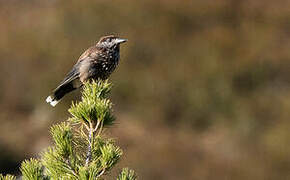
99, 61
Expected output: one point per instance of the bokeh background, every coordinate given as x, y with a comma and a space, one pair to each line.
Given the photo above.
202, 90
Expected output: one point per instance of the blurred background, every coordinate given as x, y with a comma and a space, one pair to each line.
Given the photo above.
202, 90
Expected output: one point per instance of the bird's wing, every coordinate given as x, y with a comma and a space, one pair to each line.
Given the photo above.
81, 68
71, 76
87, 53
75, 72
89, 64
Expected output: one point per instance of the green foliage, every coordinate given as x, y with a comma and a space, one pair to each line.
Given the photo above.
62, 136
57, 165
32, 169
94, 107
7, 177
110, 155
80, 153
127, 174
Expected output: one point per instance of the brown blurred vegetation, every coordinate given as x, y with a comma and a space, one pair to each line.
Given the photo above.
202, 90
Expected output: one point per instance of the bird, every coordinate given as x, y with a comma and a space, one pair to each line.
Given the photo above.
97, 62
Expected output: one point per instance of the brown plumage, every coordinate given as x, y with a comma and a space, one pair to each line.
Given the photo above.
99, 61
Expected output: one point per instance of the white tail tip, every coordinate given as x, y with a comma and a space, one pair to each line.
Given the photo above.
51, 101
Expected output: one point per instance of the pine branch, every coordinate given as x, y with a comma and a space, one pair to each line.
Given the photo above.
127, 174
91, 143
32, 169
7, 177
79, 151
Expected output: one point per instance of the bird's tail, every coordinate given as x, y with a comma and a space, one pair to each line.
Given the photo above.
59, 92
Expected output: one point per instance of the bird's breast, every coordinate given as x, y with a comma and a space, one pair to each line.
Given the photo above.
103, 68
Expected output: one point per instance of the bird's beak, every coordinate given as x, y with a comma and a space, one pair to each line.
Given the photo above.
120, 40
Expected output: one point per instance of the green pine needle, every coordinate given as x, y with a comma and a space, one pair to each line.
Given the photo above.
127, 174
7, 177
94, 107
110, 155
80, 152
62, 136
32, 169
57, 166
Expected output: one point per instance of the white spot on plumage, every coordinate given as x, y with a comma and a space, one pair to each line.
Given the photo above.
51, 101
48, 99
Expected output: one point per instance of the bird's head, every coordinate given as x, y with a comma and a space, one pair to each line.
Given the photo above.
110, 41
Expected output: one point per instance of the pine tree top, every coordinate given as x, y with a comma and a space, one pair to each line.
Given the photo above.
80, 152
